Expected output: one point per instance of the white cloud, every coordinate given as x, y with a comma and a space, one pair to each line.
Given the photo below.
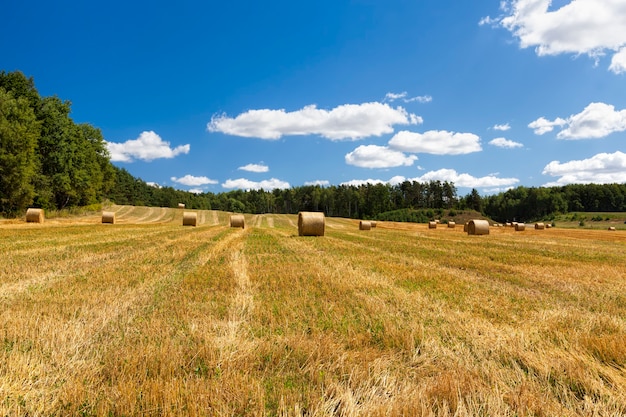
592, 27
391, 97
321, 183
153, 184
393, 181
373, 156
437, 142
618, 62
466, 180
254, 168
505, 143
603, 168
543, 125
596, 121
147, 146
246, 184
504, 127
190, 180
196, 190
348, 121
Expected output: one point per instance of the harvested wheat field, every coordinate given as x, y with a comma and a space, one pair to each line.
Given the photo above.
150, 318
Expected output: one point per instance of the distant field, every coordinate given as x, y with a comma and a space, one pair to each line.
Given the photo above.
599, 220
150, 318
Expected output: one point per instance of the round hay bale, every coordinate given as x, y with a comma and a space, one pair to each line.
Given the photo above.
190, 219
181, 205
540, 226
432, 225
451, 225
612, 228
373, 223
237, 220
478, 227
311, 223
437, 221
365, 225
507, 224
548, 226
35, 215
108, 217
465, 226
520, 227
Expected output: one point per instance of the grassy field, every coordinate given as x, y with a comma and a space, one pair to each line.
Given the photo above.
150, 318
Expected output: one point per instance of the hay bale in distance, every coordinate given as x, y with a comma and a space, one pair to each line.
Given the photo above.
311, 223
237, 220
465, 226
540, 226
451, 225
373, 223
520, 227
181, 205
35, 215
548, 226
108, 217
612, 228
507, 224
478, 227
365, 225
432, 225
190, 219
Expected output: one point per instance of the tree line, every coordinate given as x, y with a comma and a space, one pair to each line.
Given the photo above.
49, 161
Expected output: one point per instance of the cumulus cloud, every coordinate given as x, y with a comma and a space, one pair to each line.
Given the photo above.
503, 127
591, 27
505, 143
618, 62
345, 122
393, 181
437, 142
254, 168
193, 181
596, 121
543, 125
246, 184
603, 168
321, 183
147, 147
373, 156
404, 96
466, 180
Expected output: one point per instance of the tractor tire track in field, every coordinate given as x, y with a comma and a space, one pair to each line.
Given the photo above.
229, 334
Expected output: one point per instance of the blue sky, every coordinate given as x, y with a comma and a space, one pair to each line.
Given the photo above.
216, 95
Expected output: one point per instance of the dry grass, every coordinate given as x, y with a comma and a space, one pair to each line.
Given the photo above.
150, 318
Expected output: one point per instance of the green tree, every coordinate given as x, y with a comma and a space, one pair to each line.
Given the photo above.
19, 130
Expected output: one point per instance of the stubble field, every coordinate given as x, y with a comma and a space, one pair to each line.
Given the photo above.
150, 318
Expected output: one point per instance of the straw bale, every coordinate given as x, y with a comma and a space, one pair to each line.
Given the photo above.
237, 220
478, 227
365, 225
520, 227
311, 223
432, 225
108, 217
465, 226
540, 226
35, 215
181, 205
507, 224
373, 223
190, 218
548, 225
451, 225
612, 228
